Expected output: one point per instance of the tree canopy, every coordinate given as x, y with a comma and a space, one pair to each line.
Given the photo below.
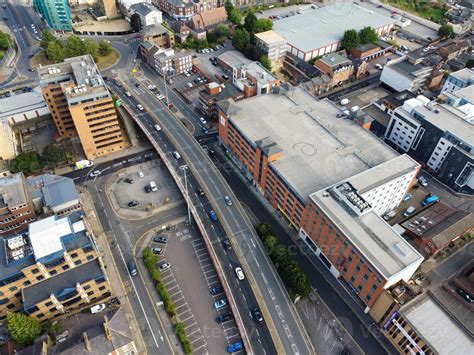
5, 40
250, 21
368, 35
350, 39
235, 16
23, 329
263, 25
53, 154
266, 62
28, 163
446, 31
241, 39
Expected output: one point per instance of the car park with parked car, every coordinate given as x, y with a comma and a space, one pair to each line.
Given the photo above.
220, 304
163, 239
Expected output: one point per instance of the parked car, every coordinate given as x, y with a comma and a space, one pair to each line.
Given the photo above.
163, 239
213, 215
220, 304
227, 200
232, 348
129, 180
409, 211
379, 66
94, 173
216, 290
164, 266
147, 189
239, 273
133, 203
389, 215
140, 174
97, 308
158, 251
429, 200
422, 181
257, 315
203, 121
140, 107
224, 318
407, 197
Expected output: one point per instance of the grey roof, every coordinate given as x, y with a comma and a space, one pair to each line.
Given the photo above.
234, 59
12, 190
155, 29
10, 106
143, 8
55, 190
60, 282
465, 74
335, 59
410, 69
326, 25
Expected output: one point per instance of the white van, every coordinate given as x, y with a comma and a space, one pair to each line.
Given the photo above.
97, 308
153, 186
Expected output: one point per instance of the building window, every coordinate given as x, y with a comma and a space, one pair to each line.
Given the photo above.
65, 267
90, 257
13, 288
74, 255
77, 262
48, 304
40, 315
26, 283
34, 271
53, 272
101, 288
10, 306
90, 293
39, 278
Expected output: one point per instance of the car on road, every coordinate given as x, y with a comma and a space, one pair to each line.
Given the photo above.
158, 251
200, 192
226, 244
233, 348
129, 180
220, 304
204, 130
422, 181
157, 127
224, 318
140, 107
257, 315
137, 85
164, 266
379, 66
148, 189
176, 155
213, 215
133, 203
97, 308
203, 121
239, 273
227, 200
163, 239
140, 174
465, 295
216, 290
128, 94
160, 96
94, 173
152, 87
132, 268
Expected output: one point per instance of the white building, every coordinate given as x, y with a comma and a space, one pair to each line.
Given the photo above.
125, 4
14, 110
458, 80
149, 14
170, 62
273, 46
402, 75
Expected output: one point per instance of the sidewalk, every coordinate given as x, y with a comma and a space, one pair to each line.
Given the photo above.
118, 287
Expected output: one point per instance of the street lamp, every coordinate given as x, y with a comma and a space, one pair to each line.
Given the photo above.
188, 200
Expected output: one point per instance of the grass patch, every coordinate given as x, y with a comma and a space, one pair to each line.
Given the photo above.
424, 9
103, 62
2, 54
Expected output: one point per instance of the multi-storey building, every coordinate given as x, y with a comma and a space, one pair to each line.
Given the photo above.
159, 36
168, 62
336, 66
212, 94
400, 75
81, 105
149, 14
56, 14
16, 205
440, 136
208, 18
181, 10
458, 80
273, 46
51, 271
294, 149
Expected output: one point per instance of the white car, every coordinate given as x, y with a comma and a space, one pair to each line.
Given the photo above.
187, 74
140, 107
165, 266
97, 308
141, 175
157, 127
203, 121
160, 96
239, 273
127, 93
422, 181
151, 87
94, 173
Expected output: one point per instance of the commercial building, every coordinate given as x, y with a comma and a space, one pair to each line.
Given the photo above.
149, 14
125, 4
248, 76
158, 35
311, 165
336, 66
316, 32
168, 62
81, 105
177, 9
206, 19
273, 46
16, 205
439, 136
437, 227
56, 14
51, 271
212, 94
403, 75
458, 80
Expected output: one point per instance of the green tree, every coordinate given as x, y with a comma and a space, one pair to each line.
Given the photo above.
368, 35
266, 62
264, 229
105, 48
235, 16
23, 329
251, 52
350, 39
222, 30
46, 38
446, 31
28, 163
53, 154
263, 25
92, 47
5, 40
55, 52
228, 6
241, 39
270, 242
75, 47
250, 21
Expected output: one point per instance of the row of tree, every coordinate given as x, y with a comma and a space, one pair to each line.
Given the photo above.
32, 162
353, 39
5, 41
289, 270
57, 50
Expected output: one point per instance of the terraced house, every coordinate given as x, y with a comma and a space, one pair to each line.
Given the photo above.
52, 270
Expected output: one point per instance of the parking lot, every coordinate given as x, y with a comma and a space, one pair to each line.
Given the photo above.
188, 280
128, 188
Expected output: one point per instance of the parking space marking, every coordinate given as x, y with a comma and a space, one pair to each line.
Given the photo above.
184, 320
184, 304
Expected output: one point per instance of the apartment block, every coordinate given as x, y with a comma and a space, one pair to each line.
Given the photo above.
51, 271
273, 45
439, 136
212, 94
168, 62
81, 105
458, 80
149, 14
16, 205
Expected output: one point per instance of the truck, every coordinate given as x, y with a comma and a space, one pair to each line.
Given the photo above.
82, 164
429, 200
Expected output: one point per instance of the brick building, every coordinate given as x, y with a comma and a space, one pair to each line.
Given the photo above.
212, 94
158, 35
209, 18
336, 66
178, 9
16, 205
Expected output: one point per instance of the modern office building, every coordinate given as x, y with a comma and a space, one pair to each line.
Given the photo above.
51, 271
273, 46
81, 105
55, 13
316, 32
458, 80
16, 205
439, 136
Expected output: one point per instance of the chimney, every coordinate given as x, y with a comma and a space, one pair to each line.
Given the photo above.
86, 342
108, 333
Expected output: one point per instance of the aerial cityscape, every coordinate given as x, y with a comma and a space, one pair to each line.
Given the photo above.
236, 177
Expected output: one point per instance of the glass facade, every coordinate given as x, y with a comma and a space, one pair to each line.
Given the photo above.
55, 13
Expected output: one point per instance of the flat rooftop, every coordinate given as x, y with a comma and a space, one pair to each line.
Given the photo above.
234, 59
270, 37
386, 250
465, 74
12, 190
334, 59
319, 149
26, 101
316, 28
436, 326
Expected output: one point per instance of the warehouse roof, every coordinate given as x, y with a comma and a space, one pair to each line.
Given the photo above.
319, 149
324, 26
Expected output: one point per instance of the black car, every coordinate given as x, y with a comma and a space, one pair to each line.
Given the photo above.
163, 239
147, 189
137, 85
224, 318
200, 192
133, 203
226, 244
257, 315
129, 180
